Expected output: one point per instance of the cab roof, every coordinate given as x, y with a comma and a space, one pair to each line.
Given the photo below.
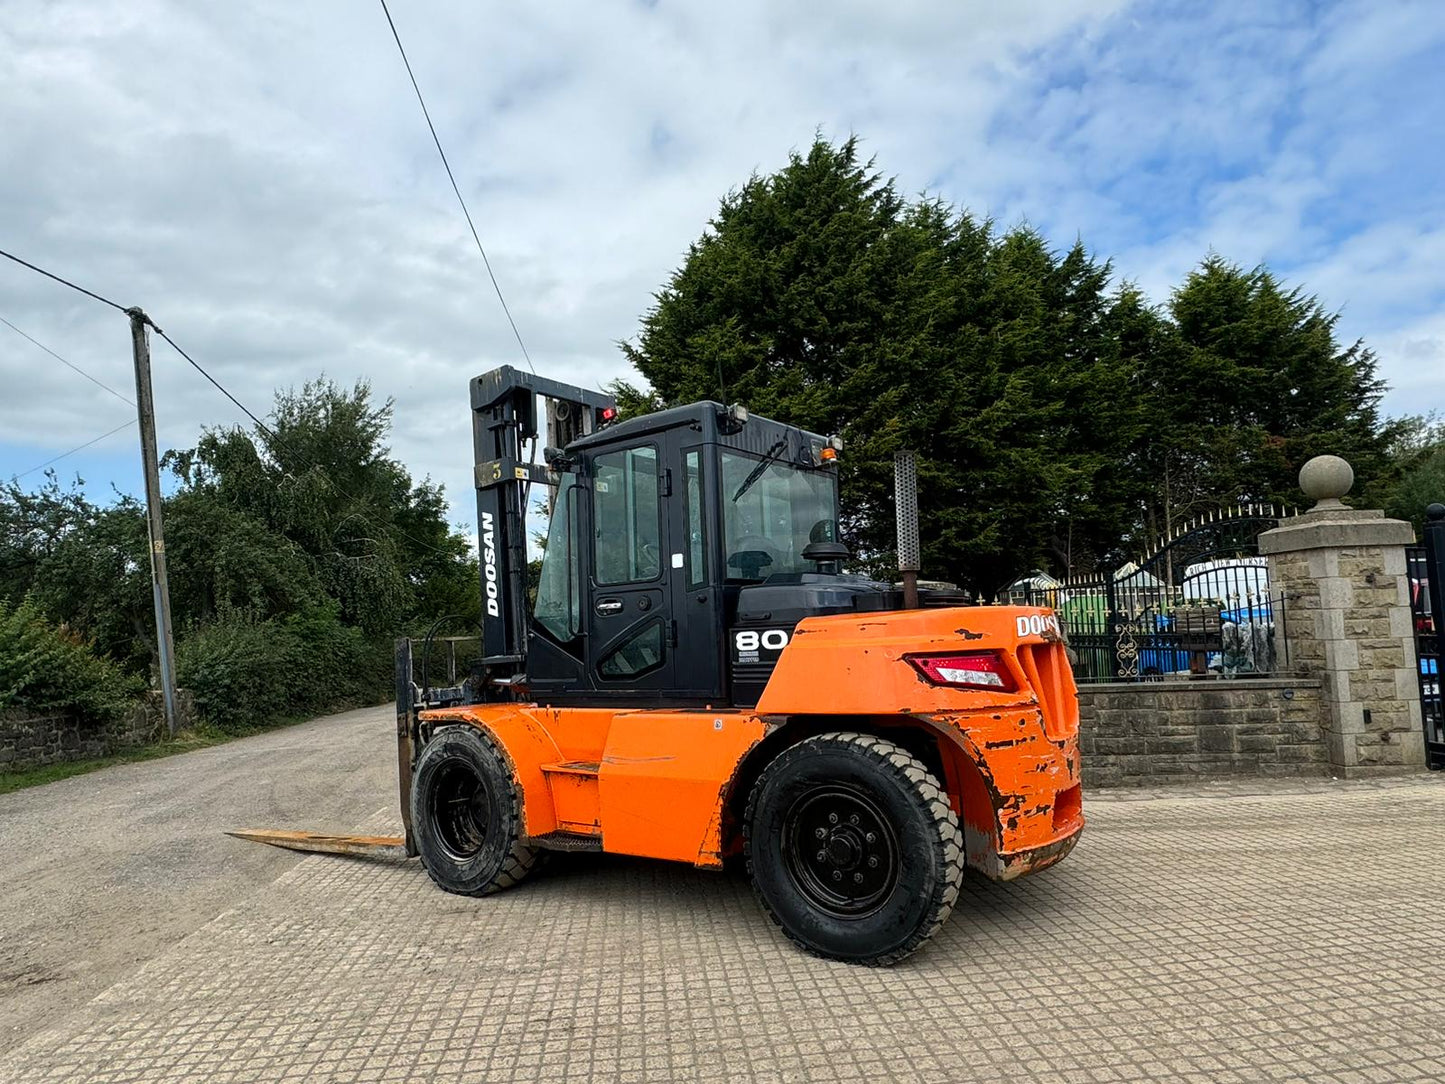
706, 417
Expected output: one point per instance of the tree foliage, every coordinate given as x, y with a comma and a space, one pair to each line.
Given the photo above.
1061, 419
1417, 455
295, 554
46, 667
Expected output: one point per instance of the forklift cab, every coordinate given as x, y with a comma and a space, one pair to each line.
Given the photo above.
684, 546
658, 526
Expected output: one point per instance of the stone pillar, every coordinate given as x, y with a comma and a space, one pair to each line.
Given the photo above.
1347, 620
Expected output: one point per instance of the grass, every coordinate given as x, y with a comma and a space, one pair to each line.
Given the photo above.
201, 736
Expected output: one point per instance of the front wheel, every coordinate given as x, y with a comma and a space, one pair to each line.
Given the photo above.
466, 812
853, 848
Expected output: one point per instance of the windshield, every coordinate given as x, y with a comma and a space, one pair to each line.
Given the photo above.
766, 526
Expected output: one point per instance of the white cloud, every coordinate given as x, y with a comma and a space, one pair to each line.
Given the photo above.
260, 178
262, 181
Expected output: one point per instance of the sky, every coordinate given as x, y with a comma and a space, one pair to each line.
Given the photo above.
259, 178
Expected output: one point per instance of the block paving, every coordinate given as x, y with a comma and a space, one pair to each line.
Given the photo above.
1269, 932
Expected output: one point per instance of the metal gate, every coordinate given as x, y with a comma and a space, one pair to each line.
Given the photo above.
1196, 605
1425, 567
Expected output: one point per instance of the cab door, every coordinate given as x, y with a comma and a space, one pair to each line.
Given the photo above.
697, 596
629, 620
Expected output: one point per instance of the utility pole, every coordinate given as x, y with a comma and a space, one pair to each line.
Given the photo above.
160, 588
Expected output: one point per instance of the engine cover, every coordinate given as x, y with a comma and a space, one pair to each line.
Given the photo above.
768, 612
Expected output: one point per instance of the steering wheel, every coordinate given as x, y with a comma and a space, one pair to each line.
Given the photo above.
751, 554
758, 543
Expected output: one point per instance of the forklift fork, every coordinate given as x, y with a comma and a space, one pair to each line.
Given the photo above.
402, 846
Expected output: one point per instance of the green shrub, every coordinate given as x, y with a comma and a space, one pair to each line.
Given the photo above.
48, 668
240, 670
246, 672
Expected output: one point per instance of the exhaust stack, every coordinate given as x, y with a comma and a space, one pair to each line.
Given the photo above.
905, 499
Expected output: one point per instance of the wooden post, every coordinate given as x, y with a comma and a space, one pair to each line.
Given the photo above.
160, 587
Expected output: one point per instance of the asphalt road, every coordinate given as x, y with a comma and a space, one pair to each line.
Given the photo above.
100, 873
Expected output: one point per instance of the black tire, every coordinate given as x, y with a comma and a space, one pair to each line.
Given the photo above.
466, 814
853, 848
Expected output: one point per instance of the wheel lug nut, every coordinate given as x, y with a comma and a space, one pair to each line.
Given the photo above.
853, 819
832, 818
872, 862
821, 833
837, 875
857, 878
871, 837
822, 856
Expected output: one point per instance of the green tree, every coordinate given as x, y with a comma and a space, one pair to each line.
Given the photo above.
1417, 451
820, 297
296, 554
1060, 420
1257, 385
323, 485
33, 525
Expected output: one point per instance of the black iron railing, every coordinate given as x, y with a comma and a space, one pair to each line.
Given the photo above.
1220, 620
1427, 627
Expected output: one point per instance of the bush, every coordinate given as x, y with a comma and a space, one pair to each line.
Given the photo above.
48, 668
246, 672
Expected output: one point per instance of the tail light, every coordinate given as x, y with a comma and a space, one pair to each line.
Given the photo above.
966, 670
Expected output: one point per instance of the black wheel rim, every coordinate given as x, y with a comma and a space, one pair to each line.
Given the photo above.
840, 850
459, 808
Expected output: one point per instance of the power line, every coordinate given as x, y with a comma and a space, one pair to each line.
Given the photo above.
72, 451
452, 177
63, 282
62, 361
218, 386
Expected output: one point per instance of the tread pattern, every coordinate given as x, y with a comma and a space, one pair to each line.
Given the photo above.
947, 841
521, 859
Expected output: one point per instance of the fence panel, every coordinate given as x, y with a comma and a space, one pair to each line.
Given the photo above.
1427, 651
1197, 605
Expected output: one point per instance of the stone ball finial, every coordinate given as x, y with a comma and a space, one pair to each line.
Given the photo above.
1325, 479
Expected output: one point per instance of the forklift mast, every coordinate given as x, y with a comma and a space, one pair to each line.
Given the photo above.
504, 419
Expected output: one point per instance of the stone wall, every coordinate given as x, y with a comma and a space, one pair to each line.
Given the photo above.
1172, 731
32, 740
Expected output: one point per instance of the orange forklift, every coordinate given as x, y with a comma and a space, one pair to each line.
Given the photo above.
698, 679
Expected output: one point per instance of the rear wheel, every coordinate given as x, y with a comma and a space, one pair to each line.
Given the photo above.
853, 848
466, 813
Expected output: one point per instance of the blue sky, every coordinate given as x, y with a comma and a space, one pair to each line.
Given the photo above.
264, 185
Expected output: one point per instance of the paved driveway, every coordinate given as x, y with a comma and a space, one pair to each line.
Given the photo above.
100, 873
1284, 932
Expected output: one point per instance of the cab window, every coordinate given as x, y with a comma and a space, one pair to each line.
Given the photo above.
559, 595
627, 524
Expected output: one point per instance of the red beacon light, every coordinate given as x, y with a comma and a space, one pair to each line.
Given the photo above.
609, 415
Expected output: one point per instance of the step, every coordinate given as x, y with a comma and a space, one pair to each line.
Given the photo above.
569, 841
573, 784
573, 767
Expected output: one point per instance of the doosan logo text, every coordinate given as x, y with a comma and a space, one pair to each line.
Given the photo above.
1036, 624
489, 567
